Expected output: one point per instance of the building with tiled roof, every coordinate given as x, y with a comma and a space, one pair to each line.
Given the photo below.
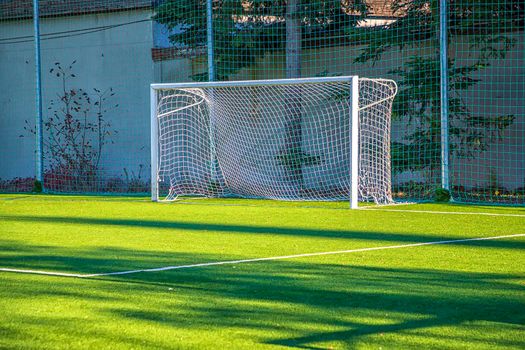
20, 9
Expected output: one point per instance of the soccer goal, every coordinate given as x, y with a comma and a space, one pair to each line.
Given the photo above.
313, 139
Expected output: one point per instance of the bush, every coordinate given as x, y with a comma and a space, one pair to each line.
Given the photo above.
442, 195
75, 133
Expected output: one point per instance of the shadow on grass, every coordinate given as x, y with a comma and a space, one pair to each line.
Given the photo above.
267, 230
339, 297
17, 254
282, 303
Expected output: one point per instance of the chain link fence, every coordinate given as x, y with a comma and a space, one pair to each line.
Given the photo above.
99, 57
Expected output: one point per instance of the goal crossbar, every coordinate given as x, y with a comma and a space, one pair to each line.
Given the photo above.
251, 83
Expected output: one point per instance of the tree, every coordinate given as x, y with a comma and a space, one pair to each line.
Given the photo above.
485, 26
245, 31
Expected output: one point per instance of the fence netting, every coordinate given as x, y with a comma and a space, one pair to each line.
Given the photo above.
99, 57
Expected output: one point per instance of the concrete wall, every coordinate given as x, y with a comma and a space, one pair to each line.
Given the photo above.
118, 58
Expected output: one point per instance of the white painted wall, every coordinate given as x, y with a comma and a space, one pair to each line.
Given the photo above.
119, 58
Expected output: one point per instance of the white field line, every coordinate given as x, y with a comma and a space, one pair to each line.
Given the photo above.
442, 212
377, 207
231, 262
40, 272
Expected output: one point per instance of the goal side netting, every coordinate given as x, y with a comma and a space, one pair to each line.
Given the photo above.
286, 140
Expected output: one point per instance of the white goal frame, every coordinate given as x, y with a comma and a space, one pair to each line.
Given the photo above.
354, 121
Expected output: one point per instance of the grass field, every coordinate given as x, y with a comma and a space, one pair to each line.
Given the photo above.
468, 294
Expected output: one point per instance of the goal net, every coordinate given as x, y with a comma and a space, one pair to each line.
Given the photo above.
290, 139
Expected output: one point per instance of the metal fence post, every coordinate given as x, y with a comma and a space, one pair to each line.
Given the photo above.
443, 28
209, 30
38, 123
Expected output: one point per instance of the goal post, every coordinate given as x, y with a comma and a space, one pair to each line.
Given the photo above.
154, 145
287, 139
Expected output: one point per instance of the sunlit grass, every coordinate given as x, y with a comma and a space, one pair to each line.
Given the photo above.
468, 295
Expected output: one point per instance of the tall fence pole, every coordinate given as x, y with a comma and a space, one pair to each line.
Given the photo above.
443, 37
211, 77
209, 30
38, 100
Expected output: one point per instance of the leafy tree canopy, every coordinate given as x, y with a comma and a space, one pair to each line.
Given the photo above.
245, 31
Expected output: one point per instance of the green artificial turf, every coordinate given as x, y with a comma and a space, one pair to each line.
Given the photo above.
467, 295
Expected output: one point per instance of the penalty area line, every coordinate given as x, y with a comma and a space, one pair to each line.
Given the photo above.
243, 261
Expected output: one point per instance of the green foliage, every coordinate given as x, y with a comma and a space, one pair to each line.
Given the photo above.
246, 31
442, 195
37, 187
486, 26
